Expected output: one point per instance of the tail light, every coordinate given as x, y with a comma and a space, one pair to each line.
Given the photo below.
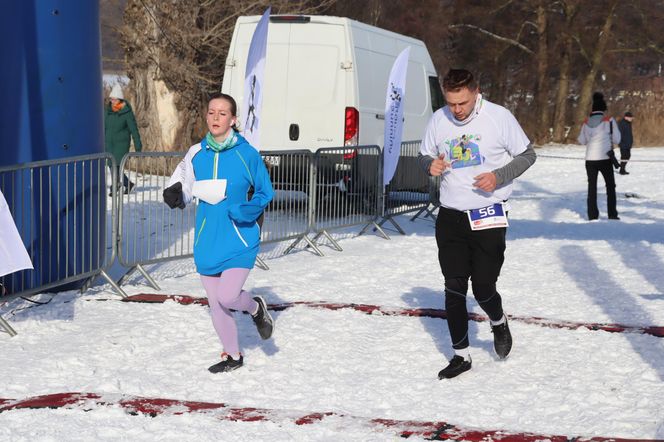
351, 127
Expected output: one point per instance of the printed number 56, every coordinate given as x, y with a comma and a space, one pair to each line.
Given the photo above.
487, 211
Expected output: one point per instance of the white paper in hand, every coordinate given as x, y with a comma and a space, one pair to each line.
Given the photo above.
210, 191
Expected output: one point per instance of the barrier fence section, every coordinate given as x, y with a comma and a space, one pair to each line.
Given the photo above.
75, 217
409, 190
61, 210
148, 230
347, 190
288, 217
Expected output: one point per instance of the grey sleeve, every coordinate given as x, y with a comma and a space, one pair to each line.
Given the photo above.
516, 167
425, 162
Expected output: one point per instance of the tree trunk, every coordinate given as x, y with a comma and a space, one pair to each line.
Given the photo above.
143, 74
596, 63
542, 92
145, 107
560, 115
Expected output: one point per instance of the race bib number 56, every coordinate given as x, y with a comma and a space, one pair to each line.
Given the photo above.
489, 217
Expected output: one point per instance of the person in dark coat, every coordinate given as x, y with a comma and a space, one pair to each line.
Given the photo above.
626, 141
119, 127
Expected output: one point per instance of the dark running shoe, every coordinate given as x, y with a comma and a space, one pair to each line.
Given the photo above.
262, 319
127, 190
457, 366
227, 364
502, 339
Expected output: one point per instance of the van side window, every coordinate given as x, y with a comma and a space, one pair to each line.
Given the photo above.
437, 100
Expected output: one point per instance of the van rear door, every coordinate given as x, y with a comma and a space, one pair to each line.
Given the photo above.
316, 86
304, 81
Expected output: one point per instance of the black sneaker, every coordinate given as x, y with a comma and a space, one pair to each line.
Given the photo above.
127, 190
262, 319
227, 364
457, 366
502, 339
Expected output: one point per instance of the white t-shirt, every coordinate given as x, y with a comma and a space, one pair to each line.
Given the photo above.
486, 143
13, 256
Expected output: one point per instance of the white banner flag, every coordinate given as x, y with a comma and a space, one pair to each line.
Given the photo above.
13, 256
253, 82
394, 101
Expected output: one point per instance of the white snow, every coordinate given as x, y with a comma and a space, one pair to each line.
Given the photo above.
558, 266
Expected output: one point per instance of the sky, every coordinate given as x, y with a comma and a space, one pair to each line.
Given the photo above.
359, 376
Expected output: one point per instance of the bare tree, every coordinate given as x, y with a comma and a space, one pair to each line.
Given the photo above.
542, 59
570, 8
520, 32
541, 87
595, 62
176, 52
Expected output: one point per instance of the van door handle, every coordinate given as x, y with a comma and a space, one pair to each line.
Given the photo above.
382, 117
294, 132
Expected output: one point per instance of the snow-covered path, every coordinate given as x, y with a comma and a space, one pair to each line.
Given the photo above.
556, 381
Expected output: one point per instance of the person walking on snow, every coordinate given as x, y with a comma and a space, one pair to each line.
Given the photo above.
626, 141
478, 148
220, 171
119, 127
599, 133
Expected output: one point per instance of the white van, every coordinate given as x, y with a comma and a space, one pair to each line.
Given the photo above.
325, 81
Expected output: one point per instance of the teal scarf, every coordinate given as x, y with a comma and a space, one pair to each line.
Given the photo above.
224, 145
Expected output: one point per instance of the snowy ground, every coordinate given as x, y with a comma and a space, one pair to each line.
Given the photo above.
556, 381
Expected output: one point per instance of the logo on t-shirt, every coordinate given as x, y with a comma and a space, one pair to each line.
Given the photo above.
464, 151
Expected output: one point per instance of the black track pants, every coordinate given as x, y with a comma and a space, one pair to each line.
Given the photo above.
606, 169
465, 254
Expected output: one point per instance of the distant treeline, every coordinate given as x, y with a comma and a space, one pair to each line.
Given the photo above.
541, 59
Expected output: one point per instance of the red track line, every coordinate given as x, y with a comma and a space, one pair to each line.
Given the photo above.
657, 331
154, 407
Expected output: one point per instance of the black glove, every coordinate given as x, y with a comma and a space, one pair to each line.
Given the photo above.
173, 196
614, 160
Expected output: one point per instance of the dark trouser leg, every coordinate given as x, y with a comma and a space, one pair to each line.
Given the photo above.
457, 312
623, 165
488, 255
625, 155
591, 171
489, 300
610, 180
454, 258
125, 180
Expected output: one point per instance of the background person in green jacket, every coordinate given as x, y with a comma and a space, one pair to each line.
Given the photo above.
119, 127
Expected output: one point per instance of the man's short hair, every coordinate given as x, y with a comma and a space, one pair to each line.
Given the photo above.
628, 114
457, 79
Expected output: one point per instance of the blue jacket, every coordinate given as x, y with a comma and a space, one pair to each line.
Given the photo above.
227, 234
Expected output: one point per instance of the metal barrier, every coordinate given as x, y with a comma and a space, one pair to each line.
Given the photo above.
73, 227
347, 190
148, 230
289, 215
409, 189
61, 209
